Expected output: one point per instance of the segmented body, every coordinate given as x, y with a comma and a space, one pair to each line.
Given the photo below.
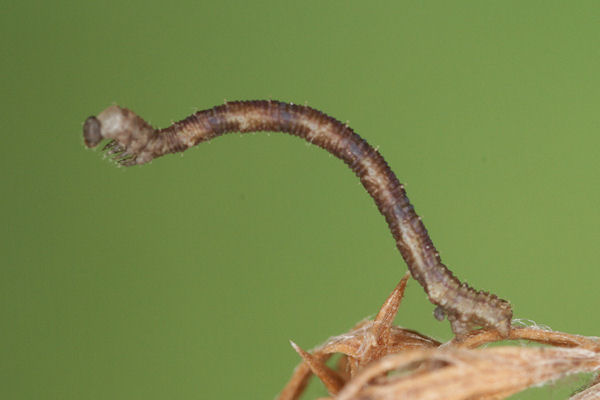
136, 142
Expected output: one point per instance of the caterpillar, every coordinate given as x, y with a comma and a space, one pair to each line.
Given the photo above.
133, 141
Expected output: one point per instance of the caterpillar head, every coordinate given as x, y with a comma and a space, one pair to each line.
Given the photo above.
129, 135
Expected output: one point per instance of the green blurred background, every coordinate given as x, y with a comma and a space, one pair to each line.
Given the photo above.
185, 278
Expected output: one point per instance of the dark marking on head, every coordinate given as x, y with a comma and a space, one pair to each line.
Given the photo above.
91, 132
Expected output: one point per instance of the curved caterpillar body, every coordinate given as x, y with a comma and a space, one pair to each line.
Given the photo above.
133, 141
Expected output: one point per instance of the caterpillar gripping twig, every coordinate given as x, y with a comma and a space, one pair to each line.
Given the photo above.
133, 141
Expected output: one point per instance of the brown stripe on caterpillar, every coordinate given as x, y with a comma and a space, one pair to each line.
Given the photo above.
133, 141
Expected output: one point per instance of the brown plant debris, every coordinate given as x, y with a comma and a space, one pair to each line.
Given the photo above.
380, 361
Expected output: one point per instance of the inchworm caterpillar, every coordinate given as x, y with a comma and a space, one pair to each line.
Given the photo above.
133, 141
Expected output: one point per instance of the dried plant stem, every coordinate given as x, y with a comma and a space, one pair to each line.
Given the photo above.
468, 373
381, 361
481, 337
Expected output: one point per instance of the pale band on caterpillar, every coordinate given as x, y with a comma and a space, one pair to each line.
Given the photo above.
133, 141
